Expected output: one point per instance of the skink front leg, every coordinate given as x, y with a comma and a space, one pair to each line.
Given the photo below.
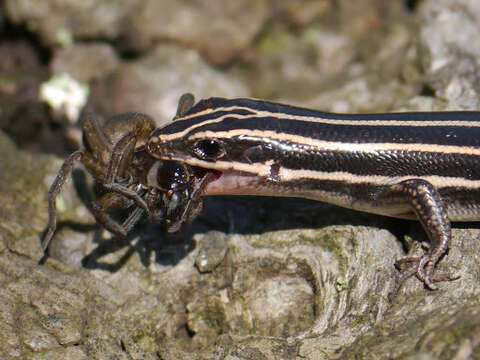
428, 206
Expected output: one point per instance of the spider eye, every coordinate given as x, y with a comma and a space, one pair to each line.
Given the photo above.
209, 149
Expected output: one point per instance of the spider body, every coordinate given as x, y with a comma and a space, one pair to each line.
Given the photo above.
128, 177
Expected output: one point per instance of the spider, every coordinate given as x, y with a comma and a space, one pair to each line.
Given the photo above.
128, 177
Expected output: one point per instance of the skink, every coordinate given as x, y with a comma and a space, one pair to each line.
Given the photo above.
423, 165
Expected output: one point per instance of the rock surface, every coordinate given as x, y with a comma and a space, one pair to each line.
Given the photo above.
235, 26
154, 83
55, 21
250, 278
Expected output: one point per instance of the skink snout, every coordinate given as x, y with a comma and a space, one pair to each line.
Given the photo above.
162, 149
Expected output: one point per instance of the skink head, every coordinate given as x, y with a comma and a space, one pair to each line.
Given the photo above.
211, 135
174, 140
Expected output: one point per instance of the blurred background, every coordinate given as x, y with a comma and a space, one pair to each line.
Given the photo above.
60, 57
303, 279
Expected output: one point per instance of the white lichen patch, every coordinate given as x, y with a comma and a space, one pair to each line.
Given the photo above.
65, 95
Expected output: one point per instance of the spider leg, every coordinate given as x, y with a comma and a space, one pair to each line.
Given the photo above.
94, 139
123, 149
111, 201
184, 105
55, 189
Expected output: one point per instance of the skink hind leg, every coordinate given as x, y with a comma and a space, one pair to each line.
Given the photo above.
428, 206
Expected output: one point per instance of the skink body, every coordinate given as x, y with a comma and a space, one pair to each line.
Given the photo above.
405, 165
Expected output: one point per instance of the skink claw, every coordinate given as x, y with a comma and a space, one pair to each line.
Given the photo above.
423, 267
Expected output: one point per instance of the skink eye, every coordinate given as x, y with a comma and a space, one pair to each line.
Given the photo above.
209, 149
